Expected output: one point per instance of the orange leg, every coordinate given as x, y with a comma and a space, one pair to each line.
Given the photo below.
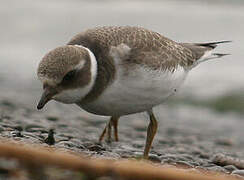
151, 131
113, 122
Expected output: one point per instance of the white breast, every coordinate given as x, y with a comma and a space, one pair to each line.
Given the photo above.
136, 90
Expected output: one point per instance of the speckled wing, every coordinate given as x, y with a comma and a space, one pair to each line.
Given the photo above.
147, 47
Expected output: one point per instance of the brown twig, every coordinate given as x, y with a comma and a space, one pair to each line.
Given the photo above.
127, 169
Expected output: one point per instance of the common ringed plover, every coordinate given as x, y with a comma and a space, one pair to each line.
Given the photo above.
116, 71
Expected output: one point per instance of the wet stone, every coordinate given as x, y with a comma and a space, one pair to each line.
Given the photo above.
224, 142
5, 117
34, 128
154, 158
8, 104
217, 169
66, 144
230, 168
65, 135
6, 125
138, 144
223, 160
62, 125
18, 128
50, 140
31, 135
184, 164
1, 129
78, 143
109, 155
52, 118
17, 134
96, 148
124, 154
238, 172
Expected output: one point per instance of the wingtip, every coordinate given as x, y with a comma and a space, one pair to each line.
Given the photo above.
214, 44
225, 41
220, 54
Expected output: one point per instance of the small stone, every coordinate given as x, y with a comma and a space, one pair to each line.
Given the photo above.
1, 129
18, 128
17, 134
230, 168
52, 118
224, 142
96, 147
33, 128
217, 169
184, 164
238, 172
50, 139
223, 160
154, 158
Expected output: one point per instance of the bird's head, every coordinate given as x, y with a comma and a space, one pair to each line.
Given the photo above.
68, 74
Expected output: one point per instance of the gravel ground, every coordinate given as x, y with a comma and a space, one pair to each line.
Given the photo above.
189, 137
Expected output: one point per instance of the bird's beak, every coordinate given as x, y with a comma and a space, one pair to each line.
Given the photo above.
46, 96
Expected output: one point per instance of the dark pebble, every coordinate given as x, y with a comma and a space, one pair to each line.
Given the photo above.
168, 161
154, 158
33, 128
217, 169
18, 128
50, 139
17, 134
52, 118
78, 143
65, 135
96, 148
184, 164
62, 125
223, 160
66, 144
1, 129
224, 142
8, 104
230, 168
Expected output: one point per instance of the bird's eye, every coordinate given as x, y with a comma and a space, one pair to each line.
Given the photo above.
69, 76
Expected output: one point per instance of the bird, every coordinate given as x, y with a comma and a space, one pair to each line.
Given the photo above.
119, 70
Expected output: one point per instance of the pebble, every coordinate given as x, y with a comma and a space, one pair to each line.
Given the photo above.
238, 172
184, 164
2, 129
66, 144
50, 140
217, 169
52, 118
230, 168
34, 128
154, 158
224, 142
223, 160
96, 147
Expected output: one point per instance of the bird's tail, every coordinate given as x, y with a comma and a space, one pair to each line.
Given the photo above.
204, 51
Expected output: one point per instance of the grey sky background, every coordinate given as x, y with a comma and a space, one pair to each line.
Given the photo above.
29, 29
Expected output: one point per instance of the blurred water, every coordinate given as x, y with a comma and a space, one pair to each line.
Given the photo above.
29, 29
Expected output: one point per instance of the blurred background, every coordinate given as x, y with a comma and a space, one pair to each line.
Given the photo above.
29, 29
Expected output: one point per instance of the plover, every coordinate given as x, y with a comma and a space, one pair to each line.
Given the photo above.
116, 71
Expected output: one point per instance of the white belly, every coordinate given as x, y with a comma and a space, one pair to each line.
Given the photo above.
136, 90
